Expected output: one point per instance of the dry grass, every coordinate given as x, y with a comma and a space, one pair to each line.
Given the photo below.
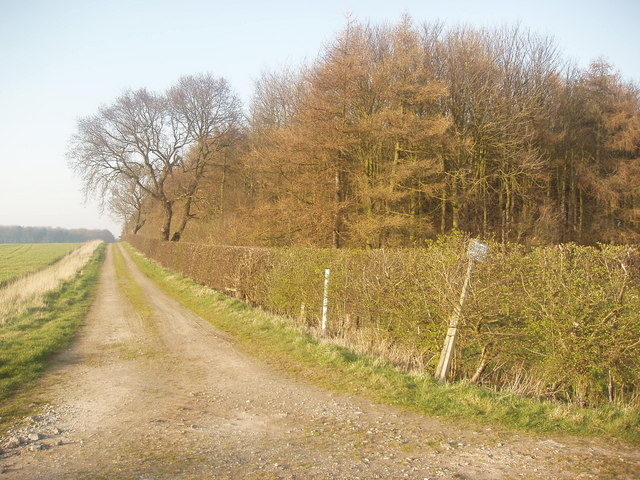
30, 291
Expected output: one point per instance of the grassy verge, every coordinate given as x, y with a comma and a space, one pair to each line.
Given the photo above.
278, 342
28, 342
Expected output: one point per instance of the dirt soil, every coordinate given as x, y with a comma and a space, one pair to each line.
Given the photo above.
172, 398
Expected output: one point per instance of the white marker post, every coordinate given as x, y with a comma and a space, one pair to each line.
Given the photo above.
325, 302
477, 252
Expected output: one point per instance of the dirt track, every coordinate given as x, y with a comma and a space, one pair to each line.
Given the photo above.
172, 398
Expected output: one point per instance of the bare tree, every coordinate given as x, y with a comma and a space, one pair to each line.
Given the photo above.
276, 99
127, 202
147, 139
207, 108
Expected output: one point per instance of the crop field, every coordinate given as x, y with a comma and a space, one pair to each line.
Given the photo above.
21, 259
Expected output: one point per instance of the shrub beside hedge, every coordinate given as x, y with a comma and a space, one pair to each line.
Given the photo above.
561, 322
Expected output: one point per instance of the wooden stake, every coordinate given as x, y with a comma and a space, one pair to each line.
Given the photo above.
450, 340
325, 302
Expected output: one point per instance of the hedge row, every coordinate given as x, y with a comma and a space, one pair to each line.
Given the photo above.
560, 322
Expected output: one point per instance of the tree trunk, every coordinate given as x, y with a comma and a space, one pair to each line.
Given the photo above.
167, 208
336, 211
581, 216
139, 223
443, 201
177, 235
503, 227
573, 206
507, 209
223, 184
443, 212
563, 200
455, 220
138, 226
611, 389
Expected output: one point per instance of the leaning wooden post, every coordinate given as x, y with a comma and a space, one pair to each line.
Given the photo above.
477, 252
325, 301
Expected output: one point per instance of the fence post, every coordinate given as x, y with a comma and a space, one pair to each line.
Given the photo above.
477, 252
325, 301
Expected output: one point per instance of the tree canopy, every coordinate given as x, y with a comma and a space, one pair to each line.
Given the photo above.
159, 145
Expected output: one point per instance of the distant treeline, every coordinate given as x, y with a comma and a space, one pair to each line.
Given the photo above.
15, 234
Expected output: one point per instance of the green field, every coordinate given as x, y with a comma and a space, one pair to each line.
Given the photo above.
24, 258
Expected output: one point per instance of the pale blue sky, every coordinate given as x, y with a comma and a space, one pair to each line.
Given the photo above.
62, 59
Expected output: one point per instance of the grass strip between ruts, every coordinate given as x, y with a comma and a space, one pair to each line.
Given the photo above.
278, 342
129, 288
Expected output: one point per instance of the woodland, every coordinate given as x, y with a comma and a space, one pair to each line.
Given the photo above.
393, 135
